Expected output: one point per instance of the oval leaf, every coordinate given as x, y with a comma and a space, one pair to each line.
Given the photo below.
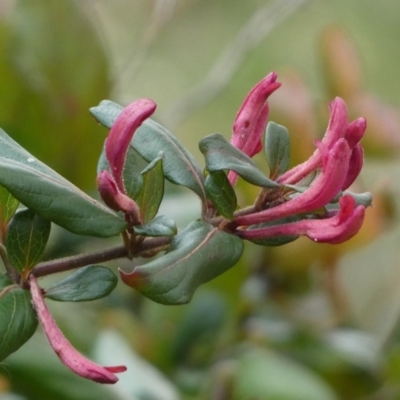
27, 236
277, 149
88, 283
152, 191
221, 193
221, 155
51, 196
8, 206
106, 112
198, 253
159, 226
18, 320
179, 166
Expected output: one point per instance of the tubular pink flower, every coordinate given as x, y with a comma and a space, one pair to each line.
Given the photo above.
337, 126
355, 131
336, 229
115, 199
335, 164
121, 134
64, 350
251, 119
355, 165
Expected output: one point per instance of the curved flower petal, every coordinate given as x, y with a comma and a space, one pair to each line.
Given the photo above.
121, 134
115, 199
337, 229
355, 165
251, 119
326, 186
64, 350
337, 127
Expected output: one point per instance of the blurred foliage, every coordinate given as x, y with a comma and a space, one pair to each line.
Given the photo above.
302, 321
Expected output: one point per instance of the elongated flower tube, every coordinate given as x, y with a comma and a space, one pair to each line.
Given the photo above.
115, 199
68, 355
335, 229
335, 164
338, 128
121, 134
251, 119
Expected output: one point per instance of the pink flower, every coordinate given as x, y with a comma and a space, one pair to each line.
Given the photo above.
121, 134
336, 163
64, 350
337, 228
111, 185
115, 199
251, 119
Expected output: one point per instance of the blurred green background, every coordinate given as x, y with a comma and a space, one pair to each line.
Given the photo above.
298, 322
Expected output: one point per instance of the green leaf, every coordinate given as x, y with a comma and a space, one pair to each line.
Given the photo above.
88, 283
18, 320
198, 253
133, 179
221, 193
106, 112
221, 155
277, 149
51, 196
180, 167
8, 206
263, 374
27, 236
159, 226
152, 191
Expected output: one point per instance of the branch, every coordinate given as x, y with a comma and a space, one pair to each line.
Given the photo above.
78, 261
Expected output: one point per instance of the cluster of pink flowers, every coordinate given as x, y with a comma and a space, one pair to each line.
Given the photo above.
337, 160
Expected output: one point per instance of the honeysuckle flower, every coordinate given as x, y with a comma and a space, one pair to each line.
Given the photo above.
251, 119
326, 186
111, 184
115, 199
336, 163
121, 134
338, 128
338, 227
68, 355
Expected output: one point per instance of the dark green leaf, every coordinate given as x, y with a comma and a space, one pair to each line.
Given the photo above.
18, 320
51, 196
221, 193
27, 236
8, 206
133, 179
88, 283
159, 226
277, 149
179, 165
221, 155
152, 192
198, 253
